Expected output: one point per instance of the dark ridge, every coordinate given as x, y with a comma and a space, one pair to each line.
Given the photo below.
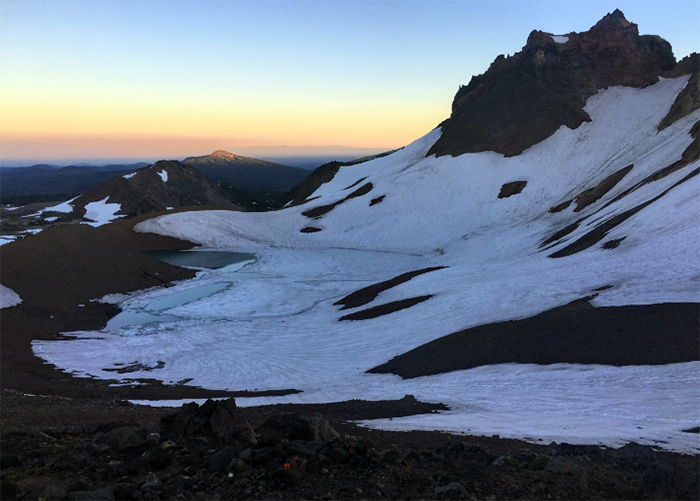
562, 233
600, 232
323, 174
360, 192
692, 430
577, 333
603, 288
146, 192
368, 294
613, 244
690, 154
325, 209
377, 200
309, 200
594, 194
385, 309
355, 183
319, 211
560, 207
689, 99
510, 189
310, 229
523, 99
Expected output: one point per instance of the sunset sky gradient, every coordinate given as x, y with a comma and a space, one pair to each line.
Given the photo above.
90, 80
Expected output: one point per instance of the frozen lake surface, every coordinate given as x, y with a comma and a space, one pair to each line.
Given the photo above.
215, 260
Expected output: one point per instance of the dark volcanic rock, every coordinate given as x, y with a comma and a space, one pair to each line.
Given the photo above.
220, 461
104, 494
452, 489
325, 209
592, 195
386, 308
576, 333
510, 189
323, 174
523, 99
299, 427
689, 98
122, 438
218, 420
368, 294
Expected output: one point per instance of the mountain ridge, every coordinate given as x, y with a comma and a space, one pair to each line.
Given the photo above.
246, 172
166, 184
524, 98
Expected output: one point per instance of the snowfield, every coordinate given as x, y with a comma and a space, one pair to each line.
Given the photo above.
101, 212
8, 297
276, 327
66, 206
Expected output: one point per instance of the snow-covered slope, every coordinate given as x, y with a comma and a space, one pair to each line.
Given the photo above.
277, 326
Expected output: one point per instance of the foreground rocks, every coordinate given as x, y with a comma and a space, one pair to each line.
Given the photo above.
213, 452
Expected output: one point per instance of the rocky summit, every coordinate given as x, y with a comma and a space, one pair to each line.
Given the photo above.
524, 98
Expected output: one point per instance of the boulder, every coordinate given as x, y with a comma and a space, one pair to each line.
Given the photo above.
120, 439
293, 426
218, 420
452, 490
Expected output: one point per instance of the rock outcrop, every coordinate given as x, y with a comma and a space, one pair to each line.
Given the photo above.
523, 99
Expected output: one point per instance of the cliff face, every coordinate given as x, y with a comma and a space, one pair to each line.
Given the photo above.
522, 99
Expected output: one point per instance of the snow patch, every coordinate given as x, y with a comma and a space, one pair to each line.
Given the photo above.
111, 299
163, 175
129, 176
8, 297
66, 206
101, 212
560, 39
50, 219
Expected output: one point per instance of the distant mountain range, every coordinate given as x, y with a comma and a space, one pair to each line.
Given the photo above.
43, 182
257, 184
247, 173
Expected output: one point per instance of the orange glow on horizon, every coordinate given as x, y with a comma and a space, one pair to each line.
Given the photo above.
36, 126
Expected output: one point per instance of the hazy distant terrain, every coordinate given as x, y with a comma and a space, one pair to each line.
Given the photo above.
39, 183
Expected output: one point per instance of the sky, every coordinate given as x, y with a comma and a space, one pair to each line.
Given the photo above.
99, 80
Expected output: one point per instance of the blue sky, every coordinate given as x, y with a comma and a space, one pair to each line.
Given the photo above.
375, 74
